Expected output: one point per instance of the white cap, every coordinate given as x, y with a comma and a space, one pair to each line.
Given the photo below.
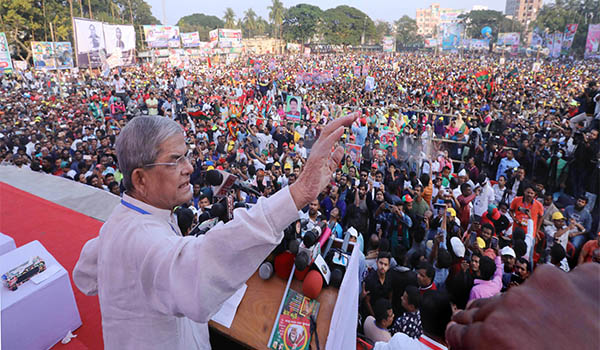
457, 247
462, 173
508, 251
353, 233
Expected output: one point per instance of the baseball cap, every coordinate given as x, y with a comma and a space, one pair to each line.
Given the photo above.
451, 211
353, 233
287, 166
508, 251
558, 216
407, 198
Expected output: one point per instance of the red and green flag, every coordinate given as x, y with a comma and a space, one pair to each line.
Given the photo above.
482, 76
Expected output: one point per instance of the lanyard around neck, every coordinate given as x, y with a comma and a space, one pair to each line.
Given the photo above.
143, 212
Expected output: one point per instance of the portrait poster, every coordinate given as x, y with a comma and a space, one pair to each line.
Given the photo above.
43, 55
63, 52
161, 36
356, 71
293, 107
355, 152
369, 84
568, 38
89, 39
190, 39
292, 326
120, 43
386, 138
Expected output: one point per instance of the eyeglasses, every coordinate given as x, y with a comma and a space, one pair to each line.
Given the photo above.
179, 162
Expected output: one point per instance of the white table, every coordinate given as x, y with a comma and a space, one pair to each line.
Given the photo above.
6, 244
36, 316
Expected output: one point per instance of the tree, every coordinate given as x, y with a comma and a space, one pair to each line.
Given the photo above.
555, 16
263, 27
229, 18
407, 32
382, 28
276, 14
301, 22
474, 21
249, 23
347, 25
201, 23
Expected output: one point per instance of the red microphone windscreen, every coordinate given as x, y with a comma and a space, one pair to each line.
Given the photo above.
313, 282
283, 265
301, 274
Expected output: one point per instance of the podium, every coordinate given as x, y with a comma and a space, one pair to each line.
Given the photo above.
37, 316
6, 244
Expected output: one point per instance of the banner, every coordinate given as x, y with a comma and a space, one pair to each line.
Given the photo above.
190, 39
43, 55
292, 47
63, 52
388, 43
369, 84
161, 36
89, 39
230, 38
431, 42
451, 36
509, 39
592, 44
5, 61
558, 39
536, 39
570, 31
478, 44
293, 109
355, 152
120, 44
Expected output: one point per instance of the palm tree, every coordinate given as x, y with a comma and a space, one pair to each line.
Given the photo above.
276, 15
250, 22
229, 18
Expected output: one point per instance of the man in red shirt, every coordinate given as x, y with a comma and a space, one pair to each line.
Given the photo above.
587, 252
464, 212
524, 207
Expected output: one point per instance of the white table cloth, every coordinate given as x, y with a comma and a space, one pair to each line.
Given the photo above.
36, 316
6, 244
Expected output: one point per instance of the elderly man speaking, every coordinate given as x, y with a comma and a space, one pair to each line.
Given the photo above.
151, 281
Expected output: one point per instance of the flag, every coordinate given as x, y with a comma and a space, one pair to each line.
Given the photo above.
482, 76
512, 73
208, 60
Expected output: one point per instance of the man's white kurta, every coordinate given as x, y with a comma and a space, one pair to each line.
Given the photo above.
152, 282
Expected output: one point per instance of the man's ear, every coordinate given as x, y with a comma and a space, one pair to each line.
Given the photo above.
139, 180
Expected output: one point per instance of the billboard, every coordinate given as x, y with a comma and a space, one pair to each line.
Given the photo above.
43, 55
388, 43
5, 61
161, 36
509, 39
592, 44
190, 39
451, 36
63, 52
120, 44
89, 40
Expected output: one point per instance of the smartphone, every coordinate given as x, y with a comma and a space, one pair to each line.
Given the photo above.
87, 157
376, 184
516, 278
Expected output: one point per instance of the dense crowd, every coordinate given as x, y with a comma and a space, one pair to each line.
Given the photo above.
450, 182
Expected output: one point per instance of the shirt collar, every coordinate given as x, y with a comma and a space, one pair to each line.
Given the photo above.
160, 213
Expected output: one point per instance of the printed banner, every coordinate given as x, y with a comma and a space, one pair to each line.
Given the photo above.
64, 55
5, 61
43, 55
431, 42
20, 65
161, 36
536, 38
558, 39
592, 44
291, 330
89, 39
451, 36
570, 31
509, 39
388, 43
293, 109
190, 39
369, 84
355, 152
120, 44
478, 44
292, 47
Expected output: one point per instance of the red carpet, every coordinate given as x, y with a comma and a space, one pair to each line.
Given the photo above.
63, 232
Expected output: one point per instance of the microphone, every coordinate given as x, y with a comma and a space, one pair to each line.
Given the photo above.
226, 181
265, 271
209, 219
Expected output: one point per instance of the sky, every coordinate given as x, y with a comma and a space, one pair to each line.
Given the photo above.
387, 10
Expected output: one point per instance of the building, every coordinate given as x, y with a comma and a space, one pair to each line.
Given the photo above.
524, 11
429, 19
479, 8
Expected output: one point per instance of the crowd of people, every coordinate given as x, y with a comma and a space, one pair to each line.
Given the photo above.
454, 188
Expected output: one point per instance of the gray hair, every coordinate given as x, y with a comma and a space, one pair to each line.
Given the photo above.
139, 142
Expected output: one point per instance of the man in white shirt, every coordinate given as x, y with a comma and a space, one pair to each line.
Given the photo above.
484, 198
158, 289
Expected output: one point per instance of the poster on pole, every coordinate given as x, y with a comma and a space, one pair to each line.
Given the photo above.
43, 55
355, 152
190, 39
230, 38
592, 44
293, 109
161, 36
120, 44
558, 39
536, 39
5, 61
388, 43
89, 39
570, 31
369, 84
63, 52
